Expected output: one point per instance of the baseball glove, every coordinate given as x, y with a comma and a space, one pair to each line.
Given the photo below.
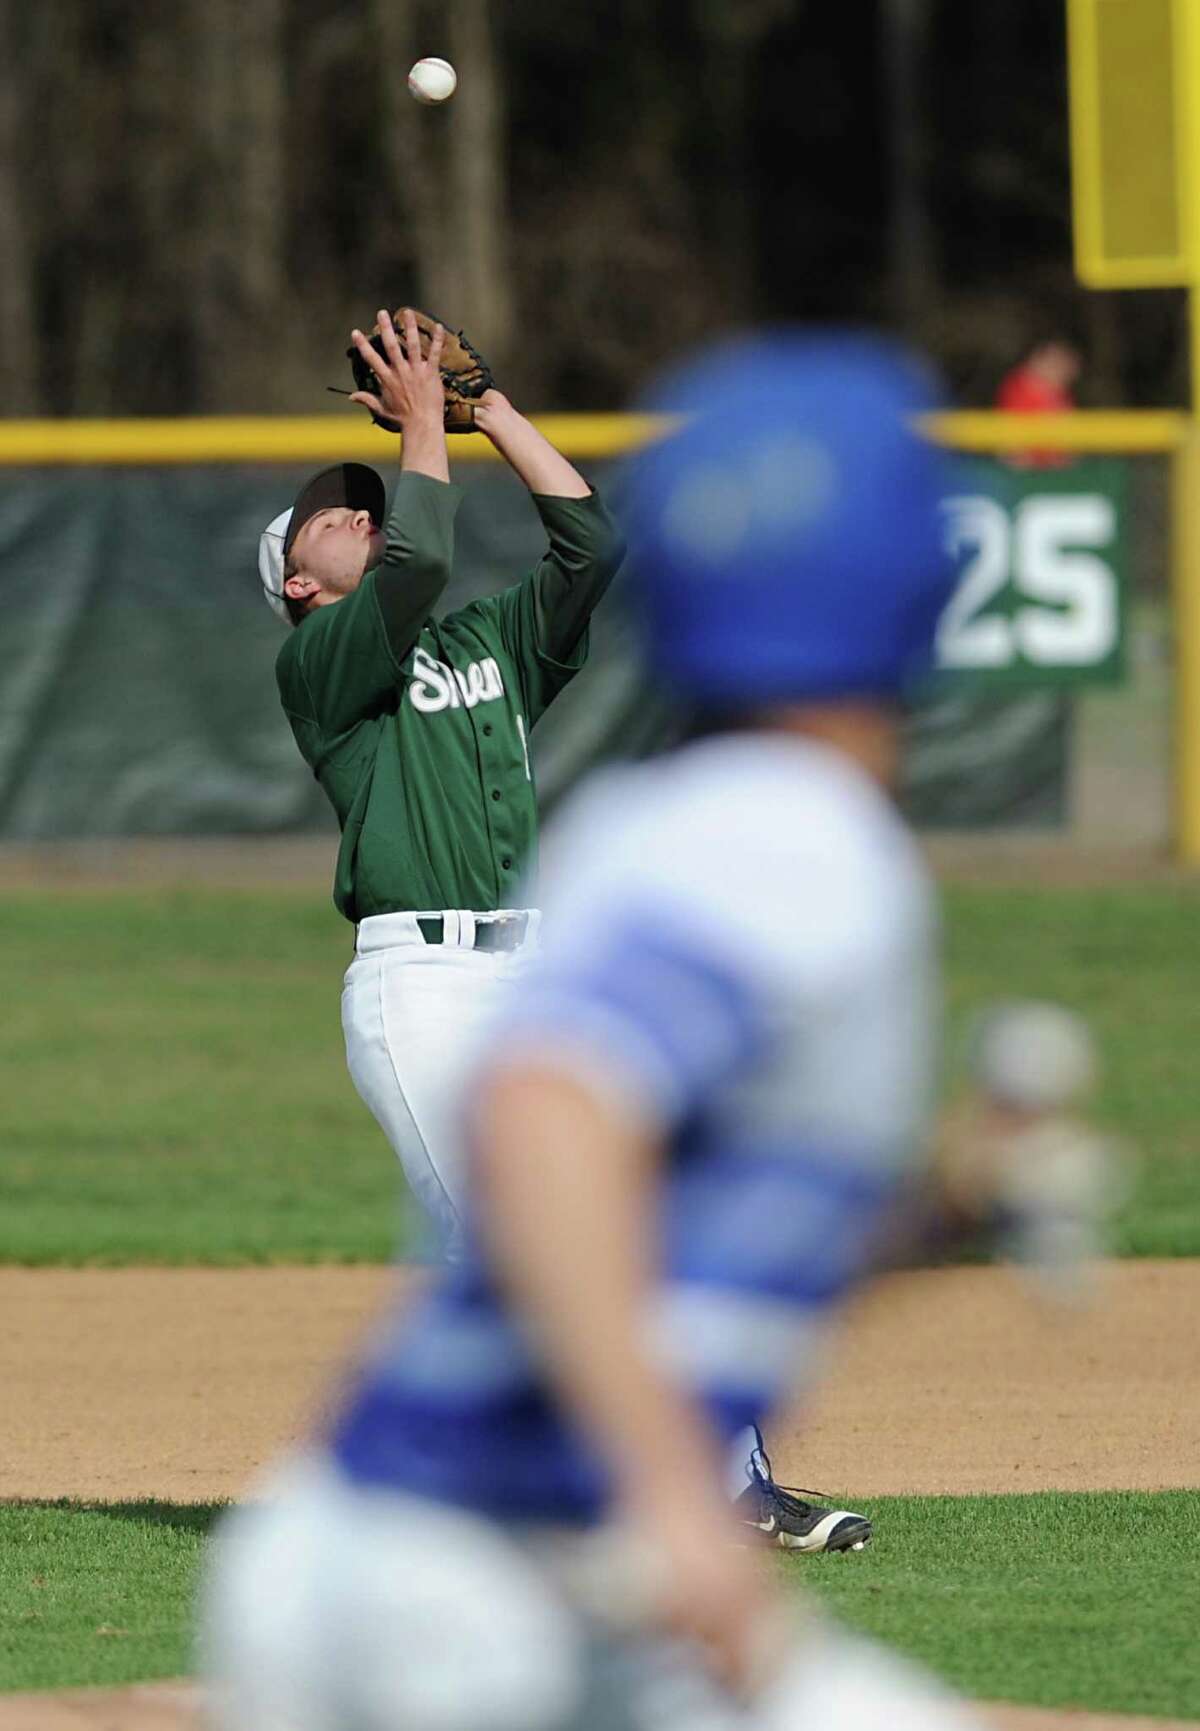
465, 373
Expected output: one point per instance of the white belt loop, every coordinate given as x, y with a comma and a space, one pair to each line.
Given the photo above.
386, 931
460, 928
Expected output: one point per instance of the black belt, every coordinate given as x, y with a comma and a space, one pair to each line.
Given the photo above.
506, 933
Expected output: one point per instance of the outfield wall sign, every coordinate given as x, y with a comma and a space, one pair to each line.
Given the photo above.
1042, 560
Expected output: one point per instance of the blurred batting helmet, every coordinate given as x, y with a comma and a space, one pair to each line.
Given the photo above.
786, 538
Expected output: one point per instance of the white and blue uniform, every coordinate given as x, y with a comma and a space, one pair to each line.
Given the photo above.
738, 939
739, 943
738, 946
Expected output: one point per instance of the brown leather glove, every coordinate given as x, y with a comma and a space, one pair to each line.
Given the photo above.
465, 373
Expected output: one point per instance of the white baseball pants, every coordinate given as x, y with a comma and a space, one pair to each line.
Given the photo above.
331, 1608
412, 1014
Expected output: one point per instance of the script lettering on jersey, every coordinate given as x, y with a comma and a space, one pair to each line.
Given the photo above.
435, 685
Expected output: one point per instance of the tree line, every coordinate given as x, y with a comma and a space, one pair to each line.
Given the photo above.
198, 200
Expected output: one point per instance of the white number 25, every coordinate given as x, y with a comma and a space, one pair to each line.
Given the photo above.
1049, 551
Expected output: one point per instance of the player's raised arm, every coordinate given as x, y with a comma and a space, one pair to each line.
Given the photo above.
528, 452
420, 529
409, 393
359, 582
585, 548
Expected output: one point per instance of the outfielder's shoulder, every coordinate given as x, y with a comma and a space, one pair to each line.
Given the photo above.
299, 653
306, 641
287, 661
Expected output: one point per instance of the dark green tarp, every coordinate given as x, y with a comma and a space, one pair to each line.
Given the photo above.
137, 694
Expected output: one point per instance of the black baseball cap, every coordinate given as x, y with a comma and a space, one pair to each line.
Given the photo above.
352, 485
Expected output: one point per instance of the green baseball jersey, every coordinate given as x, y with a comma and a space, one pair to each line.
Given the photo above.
418, 730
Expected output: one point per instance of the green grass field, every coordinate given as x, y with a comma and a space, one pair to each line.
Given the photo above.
1059, 1599
1064, 1600
97, 1593
175, 1089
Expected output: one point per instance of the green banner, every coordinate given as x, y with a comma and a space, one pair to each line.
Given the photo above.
137, 687
1042, 553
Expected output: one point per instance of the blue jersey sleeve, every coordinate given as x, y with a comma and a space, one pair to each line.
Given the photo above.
664, 1012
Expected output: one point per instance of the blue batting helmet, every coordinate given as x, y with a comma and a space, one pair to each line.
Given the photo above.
786, 537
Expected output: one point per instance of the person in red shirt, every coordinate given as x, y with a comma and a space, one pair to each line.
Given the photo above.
1042, 383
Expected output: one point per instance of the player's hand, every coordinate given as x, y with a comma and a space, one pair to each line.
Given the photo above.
1017, 1158
492, 409
703, 1587
408, 384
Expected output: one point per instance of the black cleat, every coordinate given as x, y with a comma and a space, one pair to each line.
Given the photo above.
784, 1517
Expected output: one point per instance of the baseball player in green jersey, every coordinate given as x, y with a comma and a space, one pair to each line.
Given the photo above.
418, 731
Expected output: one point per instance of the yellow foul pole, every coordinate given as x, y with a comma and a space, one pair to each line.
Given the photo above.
1185, 476
1134, 77
1185, 583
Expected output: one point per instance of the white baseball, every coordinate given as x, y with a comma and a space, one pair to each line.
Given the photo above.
433, 80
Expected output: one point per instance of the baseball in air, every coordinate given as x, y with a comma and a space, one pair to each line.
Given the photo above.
433, 80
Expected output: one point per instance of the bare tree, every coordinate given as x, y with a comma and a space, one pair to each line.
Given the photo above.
18, 353
78, 206
238, 218
904, 26
446, 167
478, 179
733, 34
414, 155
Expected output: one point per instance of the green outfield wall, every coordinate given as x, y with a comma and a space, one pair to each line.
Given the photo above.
137, 694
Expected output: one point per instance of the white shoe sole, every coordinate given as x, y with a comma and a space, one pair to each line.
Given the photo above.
839, 1530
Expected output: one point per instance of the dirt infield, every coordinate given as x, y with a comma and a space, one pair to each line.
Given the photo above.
171, 1383
175, 1707
960, 1381
182, 1383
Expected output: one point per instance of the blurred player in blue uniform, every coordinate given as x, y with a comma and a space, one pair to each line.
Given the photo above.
689, 1136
